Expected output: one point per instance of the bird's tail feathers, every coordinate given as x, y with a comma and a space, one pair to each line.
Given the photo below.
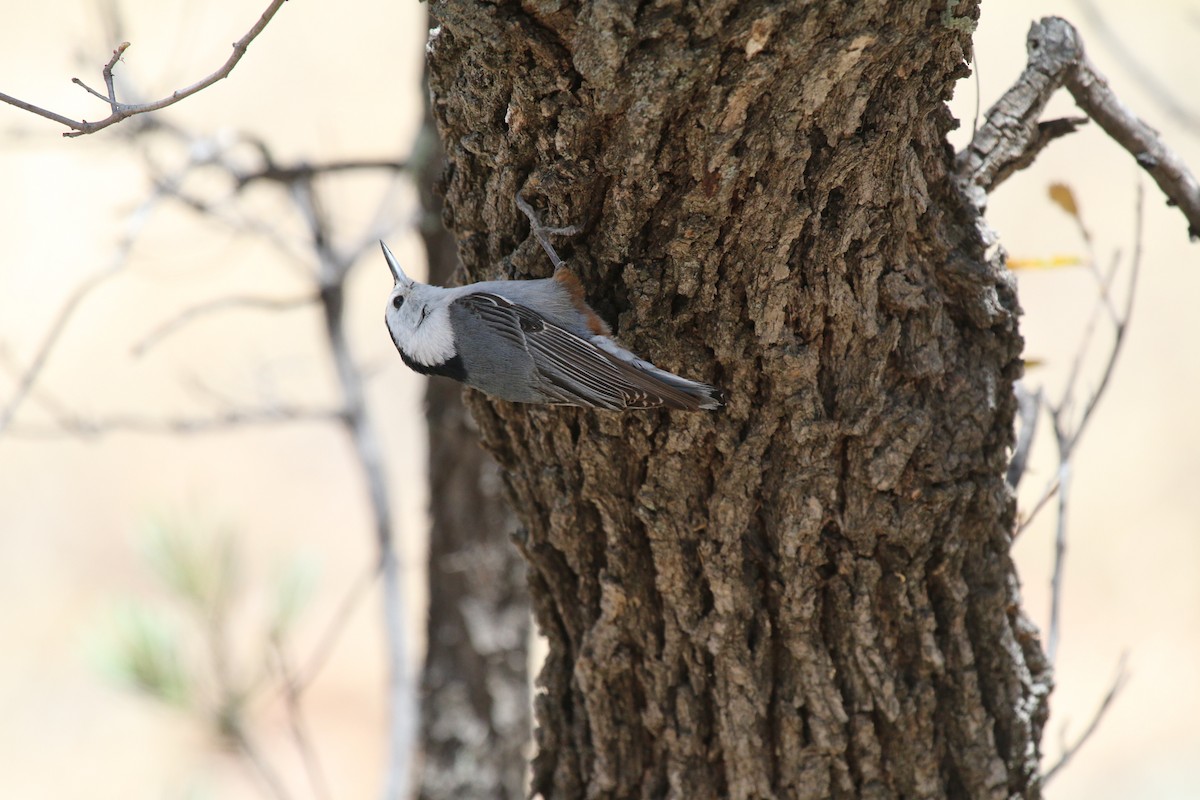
676, 391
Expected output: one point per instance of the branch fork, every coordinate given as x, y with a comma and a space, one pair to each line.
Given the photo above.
1011, 136
120, 111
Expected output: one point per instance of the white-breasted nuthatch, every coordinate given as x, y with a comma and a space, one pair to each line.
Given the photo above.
529, 341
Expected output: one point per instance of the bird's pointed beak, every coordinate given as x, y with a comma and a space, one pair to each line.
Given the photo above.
394, 265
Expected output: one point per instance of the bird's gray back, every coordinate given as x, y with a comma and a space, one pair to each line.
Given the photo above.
546, 296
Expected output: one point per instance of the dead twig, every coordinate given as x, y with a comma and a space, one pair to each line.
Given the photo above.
1047, 495
331, 276
1127, 57
333, 264
1011, 135
1029, 408
81, 427
133, 228
333, 631
121, 111
297, 722
1111, 695
188, 315
1067, 433
289, 174
270, 778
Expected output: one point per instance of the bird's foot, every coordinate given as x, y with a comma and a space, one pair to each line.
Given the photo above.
543, 232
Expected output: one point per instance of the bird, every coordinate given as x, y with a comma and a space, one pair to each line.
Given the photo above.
529, 341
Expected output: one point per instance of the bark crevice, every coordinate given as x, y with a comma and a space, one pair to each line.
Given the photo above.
807, 594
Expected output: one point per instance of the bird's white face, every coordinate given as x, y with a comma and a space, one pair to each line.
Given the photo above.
419, 321
417, 317
402, 316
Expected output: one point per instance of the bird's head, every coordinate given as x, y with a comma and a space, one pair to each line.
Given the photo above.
399, 312
416, 316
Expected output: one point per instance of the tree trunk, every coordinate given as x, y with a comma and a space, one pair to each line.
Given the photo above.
475, 684
809, 593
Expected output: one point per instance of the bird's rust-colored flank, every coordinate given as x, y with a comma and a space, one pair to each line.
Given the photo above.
571, 283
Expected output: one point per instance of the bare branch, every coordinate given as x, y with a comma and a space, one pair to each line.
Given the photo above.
1121, 326
1047, 495
1010, 129
57, 325
75, 426
1091, 93
298, 724
278, 174
1029, 407
188, 315
121, 111
1062, 484
334, 630
243, 223
1067, 436
89, 89
334, 268
1128, 59
108, 73
1011, 136
133, 228
261, 767
1062, 409
41, 112
1068, 753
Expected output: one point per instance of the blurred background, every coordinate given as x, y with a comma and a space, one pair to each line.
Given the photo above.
121, 541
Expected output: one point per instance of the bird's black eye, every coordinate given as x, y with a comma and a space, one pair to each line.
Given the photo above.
397, 301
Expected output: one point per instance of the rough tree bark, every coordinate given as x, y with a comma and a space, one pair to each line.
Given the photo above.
808, 594
475, 683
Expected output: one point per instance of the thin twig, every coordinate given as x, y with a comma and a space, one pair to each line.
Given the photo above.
229, 709
1047, 495
1127, 56
1029, 408
278, 174
1111, 695
334, 630
41, 112
1063, 484
133, 228
243, 223
188, 315
121, 111
298, 724
1122, 327
75, 426
1091, 93
1068, 436
89, 89
108, 73
57, 326
978, 94
262, 767
332, 273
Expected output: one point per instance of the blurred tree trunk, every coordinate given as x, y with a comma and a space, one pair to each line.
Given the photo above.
809, 593
475, 685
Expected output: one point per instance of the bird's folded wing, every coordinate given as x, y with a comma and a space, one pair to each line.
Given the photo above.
576, 371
